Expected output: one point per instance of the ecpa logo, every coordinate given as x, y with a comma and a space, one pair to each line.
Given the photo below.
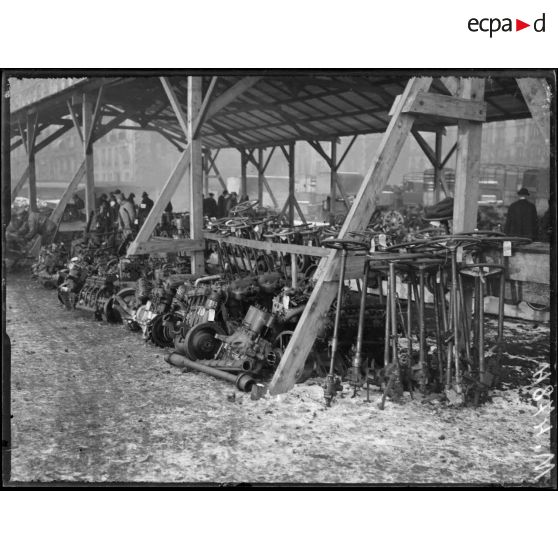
494, 24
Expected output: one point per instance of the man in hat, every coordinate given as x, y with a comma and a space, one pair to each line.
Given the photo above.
126, 216
210, 206
522, 219
145, 206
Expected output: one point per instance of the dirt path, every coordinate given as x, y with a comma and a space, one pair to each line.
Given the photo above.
92, 402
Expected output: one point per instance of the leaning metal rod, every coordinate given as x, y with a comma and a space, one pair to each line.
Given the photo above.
334, 342
439, 355
393, 311
357, 360
421, 318
455, 315
387, 325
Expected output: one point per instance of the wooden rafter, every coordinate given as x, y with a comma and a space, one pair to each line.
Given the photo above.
537, 95
175, 104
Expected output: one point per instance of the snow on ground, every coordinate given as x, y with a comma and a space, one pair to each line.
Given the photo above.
92, 402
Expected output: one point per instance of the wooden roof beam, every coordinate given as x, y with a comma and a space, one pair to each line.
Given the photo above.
175, 104
537, 95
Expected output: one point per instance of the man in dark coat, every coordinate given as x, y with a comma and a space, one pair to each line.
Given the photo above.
222, 204
144, 208
210, 206
522, 219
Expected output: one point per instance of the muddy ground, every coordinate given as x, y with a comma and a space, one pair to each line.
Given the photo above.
92, 402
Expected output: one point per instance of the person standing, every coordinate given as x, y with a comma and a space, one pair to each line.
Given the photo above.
145, 206
126, 216
222, 204
210, 206
232, 202
522, 219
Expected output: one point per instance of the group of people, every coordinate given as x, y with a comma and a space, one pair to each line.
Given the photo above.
223, 206
118, 213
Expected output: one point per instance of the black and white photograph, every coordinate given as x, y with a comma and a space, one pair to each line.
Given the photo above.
279, 277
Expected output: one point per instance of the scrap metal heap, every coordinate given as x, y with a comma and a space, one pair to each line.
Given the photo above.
403, 325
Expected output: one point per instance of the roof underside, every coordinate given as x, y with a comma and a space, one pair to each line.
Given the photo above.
276, 110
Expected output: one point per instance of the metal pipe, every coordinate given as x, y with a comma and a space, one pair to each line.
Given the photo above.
357, 361
387, 327
393, 310
455, 320
436, 296
481, 324
421, 318
243, 381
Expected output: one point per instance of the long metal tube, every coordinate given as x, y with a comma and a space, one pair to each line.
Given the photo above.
243, 382
357, 361
340, 287
393, 311
387, 326
455, 320
481, 324
438, 332
421, 318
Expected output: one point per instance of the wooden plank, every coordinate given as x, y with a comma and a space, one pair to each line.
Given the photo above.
161, 202
200, 119
537, 95
260, 170
451, 83
445, 106
213, 165
292, 200
196, 172
359, 216
95, 117
175, 104
230, 95
74, 119
32, 179
467, 165
270, 246
20, 183
53, 137
56, 215
87, 124
171, 246
346, 152
426, 149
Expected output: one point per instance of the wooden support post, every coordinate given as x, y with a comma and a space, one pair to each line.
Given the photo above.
87, 132
31, 134
213, 165
175, 104
292, 198
333, 180
56, 215
161, 202
20, 183
196, 181
438, 167
205, 161
260, 176
243, 177
358, 218
467, 167
537, 95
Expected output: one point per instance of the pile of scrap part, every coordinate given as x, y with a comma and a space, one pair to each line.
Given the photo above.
404, 325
